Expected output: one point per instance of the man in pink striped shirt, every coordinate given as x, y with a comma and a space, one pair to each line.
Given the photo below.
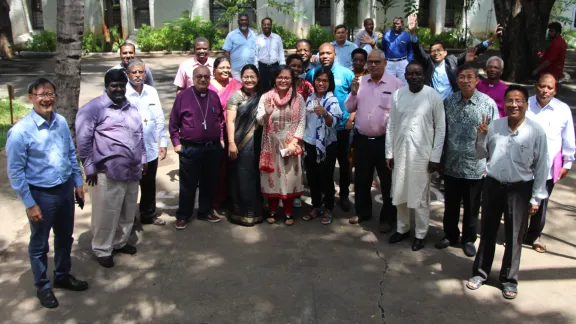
371, 99
184, 78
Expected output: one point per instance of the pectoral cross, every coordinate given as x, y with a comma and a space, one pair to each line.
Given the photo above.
204, 123
145, 122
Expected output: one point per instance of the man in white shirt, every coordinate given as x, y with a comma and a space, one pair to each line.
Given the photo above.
556, 119
269, 53
184, 78
515, 149
146, 99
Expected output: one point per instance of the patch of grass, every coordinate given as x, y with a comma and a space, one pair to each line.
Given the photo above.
19, 111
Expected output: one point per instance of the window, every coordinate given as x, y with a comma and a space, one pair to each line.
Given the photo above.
141, 13
249, 8
323, 13
37, 16
423, 13
453, 13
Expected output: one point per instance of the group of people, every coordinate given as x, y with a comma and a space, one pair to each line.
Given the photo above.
252, 124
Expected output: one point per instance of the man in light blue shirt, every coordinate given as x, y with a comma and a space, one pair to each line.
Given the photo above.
343, 49
43, 171
240, 46
343, 80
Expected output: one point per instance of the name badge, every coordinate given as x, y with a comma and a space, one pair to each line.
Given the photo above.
386, 92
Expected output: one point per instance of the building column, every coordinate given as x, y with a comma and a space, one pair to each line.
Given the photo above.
152, 12
200, 8
437, 16
337, 13
124, 18
367, 10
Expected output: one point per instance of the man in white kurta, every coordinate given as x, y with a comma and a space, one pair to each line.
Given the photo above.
414, 141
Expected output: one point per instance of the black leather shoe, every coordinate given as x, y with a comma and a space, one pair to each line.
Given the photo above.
469, 249
106, 262
385, 228
443, 243
418, 244
71, 283
397, 237
126, 249
47, 298
345, 204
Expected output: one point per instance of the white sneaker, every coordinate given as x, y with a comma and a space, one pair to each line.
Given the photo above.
297, 202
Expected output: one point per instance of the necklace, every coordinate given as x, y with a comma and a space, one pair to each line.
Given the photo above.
205, 112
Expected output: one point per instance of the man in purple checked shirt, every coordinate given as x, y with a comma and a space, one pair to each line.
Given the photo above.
110, 141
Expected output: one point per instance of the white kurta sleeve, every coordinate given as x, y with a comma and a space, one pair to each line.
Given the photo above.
299, 134
391, 127
439, 119
261, 113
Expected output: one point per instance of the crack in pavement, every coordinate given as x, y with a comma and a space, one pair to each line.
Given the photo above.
381, 256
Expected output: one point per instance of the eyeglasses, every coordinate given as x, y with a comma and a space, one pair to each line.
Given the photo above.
373, 62
516, 101
202, 76
466, 77
49, 95
249, 77
284, 78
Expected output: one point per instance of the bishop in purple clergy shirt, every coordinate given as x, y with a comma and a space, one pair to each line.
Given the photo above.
197, 133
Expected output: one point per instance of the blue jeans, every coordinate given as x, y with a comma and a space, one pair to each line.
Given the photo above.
57, 207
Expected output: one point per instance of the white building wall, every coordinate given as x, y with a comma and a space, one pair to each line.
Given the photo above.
173, 9
49, 11
20, 19
300, 27
482, 19
93, 16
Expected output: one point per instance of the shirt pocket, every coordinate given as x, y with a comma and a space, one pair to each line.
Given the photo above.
188, 120
385, 100
521, 153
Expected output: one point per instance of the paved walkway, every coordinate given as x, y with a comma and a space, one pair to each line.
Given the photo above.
307, 273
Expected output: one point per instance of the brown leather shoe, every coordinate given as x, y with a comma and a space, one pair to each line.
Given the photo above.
180, 224
211, 218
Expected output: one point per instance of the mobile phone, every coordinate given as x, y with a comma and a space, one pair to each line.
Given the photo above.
79, 200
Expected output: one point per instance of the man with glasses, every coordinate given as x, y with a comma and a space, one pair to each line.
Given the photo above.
183, 78
396, 45
367, 39
197, 132
44, 172
463, 171
128, 53
240, 46
515, 149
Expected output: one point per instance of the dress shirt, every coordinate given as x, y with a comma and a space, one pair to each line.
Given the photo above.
184, 75
40, 154
187, 119
462, 121
149, 79
270, 49
344, 53
497, 92
330, 103
556, 119
397, 46
367, 47
150, 109
555, 53
516, 156
372, 104
111, 139
342, 79
440, 80
242, 49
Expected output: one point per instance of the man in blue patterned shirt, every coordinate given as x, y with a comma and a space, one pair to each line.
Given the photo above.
463, 172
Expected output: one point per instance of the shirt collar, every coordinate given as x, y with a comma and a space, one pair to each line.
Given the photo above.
130, 91
440, 65
346, 43
38, 120
250, 32
108, 103
474, 99
549, 105
197, 63
382, 79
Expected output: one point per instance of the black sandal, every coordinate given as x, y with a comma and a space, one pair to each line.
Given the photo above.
271, 219
509, 289
477, 280
289, 218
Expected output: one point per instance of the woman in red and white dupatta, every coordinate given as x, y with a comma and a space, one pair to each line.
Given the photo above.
282, 112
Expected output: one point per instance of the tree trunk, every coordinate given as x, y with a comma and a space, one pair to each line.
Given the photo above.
525, 23
6, 40
70, 31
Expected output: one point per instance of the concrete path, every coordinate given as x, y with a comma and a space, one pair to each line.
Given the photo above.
307, 273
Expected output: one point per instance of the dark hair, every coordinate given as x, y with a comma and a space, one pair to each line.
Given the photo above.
328, 71
515, 87
38, 82
340, 26
437, 42
219, 61
267, 18
128, 44
556, 26
415, 63
200, 40
115, 75
253, 67
360, 51
243, 14
292, 57
304, 41
401, 19
465, 67
277, 73
365, 20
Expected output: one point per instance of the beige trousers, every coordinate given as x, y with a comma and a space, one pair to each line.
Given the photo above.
114, 205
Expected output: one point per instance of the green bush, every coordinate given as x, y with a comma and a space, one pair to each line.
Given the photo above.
570, 38
45, 41
93, 43
288, 39
448, 38
318, 36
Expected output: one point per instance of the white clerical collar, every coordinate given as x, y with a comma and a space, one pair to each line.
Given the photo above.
203, 94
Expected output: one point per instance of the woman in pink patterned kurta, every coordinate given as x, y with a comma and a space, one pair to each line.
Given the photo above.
282, 112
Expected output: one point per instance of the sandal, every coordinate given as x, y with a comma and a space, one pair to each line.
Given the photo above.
271, 218
476, 281
354, 220
313, 214
327, 217
289, 220
538, 246
159, 222
507, 292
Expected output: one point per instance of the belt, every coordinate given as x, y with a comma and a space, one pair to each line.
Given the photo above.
397, 59
197, 144
268, 65
48, 189
357, 133
509, 184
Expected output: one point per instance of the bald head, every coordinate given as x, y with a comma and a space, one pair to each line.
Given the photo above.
201, 78
545, 89
327, 54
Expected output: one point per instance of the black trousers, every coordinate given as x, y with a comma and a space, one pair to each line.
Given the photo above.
320, 176
469, 191
266, 72
538, 220
199, 165
369, 156
514, 201
148, 194
343, 157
